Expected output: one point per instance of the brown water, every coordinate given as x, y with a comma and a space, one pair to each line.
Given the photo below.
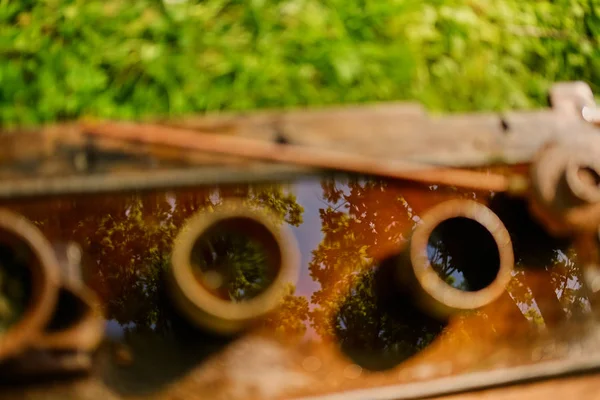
344, 310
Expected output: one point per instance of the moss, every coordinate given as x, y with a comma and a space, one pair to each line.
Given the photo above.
63, 59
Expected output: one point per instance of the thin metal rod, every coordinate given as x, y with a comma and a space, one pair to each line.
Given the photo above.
300, 155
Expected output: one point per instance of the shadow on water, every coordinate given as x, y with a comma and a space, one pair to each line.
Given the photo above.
155, 356
377, 326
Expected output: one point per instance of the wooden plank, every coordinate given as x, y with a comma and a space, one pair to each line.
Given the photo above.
401, 131
307, 156
385, 131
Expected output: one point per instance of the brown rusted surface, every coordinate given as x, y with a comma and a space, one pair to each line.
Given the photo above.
345, 328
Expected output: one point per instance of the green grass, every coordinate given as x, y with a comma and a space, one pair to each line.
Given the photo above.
63, 59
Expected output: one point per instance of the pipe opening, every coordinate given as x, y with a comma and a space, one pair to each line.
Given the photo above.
236, 259
17, 283
464, 254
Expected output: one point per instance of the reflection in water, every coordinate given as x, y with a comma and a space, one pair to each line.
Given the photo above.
378, 327
361, 222
548, 282
127, 239
232, 265
464, 254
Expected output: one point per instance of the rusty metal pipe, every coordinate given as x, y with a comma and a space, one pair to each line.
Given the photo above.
583, 179
197, 300
465, 224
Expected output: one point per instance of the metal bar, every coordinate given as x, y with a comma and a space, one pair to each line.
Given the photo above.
299, 155
148, 180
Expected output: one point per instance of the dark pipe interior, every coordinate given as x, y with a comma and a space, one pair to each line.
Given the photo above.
464, 254
16, 281
236, 259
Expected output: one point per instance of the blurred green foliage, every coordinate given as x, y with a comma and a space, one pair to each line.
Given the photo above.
62, 59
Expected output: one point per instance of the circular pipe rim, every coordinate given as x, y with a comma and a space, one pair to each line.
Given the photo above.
222, 312
580, 189
37, 314
429, 280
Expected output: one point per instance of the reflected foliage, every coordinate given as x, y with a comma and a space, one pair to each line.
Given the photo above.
364, 221
127, 240
290, 319
361, 221
232, 265
547, 284
378, 332
464, 254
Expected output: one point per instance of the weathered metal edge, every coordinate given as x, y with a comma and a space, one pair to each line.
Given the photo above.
152, 180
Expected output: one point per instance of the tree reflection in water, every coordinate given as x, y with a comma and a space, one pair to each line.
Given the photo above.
464, 254
363, 221
379, 329
232, 265
547, 284
127, 240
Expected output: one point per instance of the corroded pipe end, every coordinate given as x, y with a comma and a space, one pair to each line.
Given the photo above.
582, 175
460, 229
24, 246
565, 186
231, 266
